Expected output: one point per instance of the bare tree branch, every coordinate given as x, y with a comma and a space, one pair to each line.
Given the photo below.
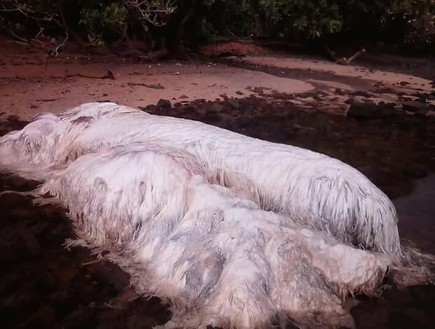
152, 11
50, 44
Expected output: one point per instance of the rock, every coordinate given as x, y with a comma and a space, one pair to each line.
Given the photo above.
164, 103
149, 108
415, 106
371, 110
367, 110
234, 103
154, 86
382, 104
385, 90
362, 93
340, 92
259, 91
216, 107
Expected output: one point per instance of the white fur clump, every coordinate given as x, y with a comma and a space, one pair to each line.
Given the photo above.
212, 253
317, 191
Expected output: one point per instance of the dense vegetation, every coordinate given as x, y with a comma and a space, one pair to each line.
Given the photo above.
177, 23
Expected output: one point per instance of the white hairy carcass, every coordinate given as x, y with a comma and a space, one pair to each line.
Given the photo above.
231, 231
313, 189
211, 252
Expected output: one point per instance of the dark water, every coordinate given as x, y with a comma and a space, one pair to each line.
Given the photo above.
417, 214
43, 285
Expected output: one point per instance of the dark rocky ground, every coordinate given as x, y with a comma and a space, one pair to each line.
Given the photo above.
44, 285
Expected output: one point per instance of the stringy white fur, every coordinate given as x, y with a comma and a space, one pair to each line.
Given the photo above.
214, 255
317, 191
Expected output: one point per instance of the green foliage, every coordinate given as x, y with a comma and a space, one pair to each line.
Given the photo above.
314, 19
419, 19
397, 21
104, 21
